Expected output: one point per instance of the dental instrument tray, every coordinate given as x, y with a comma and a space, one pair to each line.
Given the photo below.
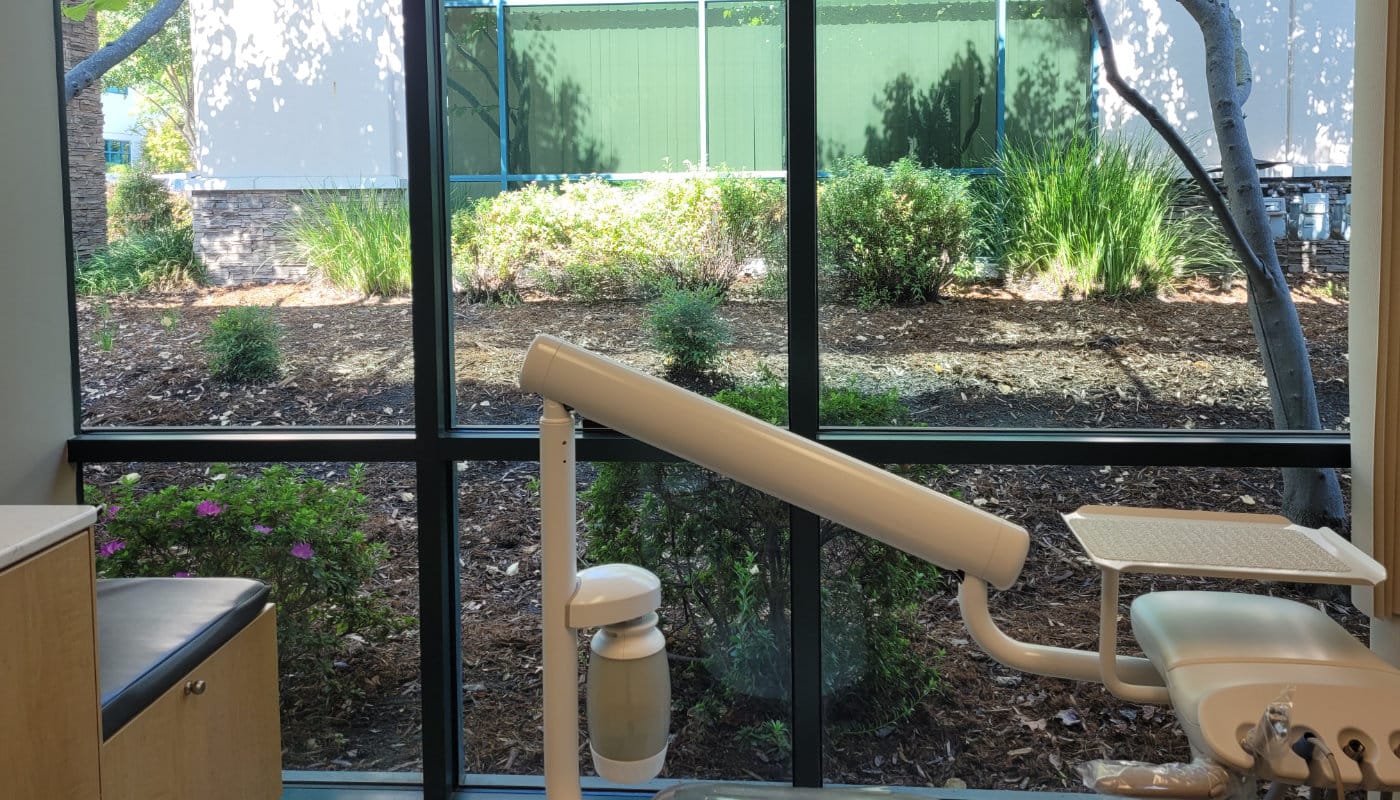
1218, 544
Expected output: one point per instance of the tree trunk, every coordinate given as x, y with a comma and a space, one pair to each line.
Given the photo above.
1311, 496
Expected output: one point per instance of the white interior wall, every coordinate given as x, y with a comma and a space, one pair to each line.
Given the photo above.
1300, 111
36, 393
293, 93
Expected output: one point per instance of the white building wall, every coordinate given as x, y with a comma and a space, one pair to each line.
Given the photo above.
299, 93
121, 119
1300, 111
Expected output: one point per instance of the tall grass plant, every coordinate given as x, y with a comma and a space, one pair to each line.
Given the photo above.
160, 258
355, 240
1099, 217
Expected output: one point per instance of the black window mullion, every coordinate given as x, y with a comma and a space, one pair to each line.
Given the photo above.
804, 382
438, 584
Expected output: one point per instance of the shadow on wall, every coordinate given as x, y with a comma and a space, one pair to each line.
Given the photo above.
1300, 110
939, 125
299, 87
545, 114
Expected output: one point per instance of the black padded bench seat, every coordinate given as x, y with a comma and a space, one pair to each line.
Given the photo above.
152, 631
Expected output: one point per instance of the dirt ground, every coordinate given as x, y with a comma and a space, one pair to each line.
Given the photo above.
986, 358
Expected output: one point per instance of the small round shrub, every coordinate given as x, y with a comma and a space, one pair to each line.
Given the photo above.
720, 549
893, 236
139, 203
243, 345
685, 327
300, 535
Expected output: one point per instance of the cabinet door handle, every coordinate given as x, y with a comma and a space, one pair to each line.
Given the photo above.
194, 687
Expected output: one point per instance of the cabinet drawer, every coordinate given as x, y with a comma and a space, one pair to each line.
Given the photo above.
221, 744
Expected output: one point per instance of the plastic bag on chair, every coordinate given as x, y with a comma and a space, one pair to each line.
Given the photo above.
1198, 780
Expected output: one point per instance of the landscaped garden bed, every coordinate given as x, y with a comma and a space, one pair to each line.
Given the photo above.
984, 357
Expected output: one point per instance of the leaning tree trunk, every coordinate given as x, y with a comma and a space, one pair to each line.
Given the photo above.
1311, 496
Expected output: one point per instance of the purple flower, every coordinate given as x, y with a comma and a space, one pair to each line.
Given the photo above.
262, 529
303, 550
111, 548
208, 508
112, 511
183, 575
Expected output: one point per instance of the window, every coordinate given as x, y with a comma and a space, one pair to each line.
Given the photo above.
537, 99
117, 151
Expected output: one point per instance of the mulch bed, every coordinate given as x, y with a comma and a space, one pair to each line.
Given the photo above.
986, 358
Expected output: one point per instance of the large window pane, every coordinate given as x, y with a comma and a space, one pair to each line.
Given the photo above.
261, 276
978, 722
471, 103
720, 550
338, 545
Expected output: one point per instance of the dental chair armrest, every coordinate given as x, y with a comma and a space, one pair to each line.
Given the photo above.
1056, 662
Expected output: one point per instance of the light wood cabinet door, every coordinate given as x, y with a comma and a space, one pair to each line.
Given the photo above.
222, 744
50, 730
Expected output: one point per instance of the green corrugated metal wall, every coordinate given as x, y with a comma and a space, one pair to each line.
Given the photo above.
616, 88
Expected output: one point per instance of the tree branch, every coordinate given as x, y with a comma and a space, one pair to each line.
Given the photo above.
91, 69
1214, 196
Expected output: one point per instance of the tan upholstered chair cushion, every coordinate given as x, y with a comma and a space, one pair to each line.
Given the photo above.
1226, 657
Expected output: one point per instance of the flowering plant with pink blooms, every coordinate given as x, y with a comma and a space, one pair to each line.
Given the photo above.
300, 535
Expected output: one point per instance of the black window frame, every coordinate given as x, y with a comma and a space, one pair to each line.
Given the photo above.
435, 443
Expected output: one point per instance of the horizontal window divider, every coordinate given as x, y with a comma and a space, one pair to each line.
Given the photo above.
1163, 448
255, 444
1166, 448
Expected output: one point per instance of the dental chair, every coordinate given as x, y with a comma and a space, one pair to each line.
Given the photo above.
1264, 688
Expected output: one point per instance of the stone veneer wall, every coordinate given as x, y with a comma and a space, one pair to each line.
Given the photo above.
1330, 255
87, 159
238, 235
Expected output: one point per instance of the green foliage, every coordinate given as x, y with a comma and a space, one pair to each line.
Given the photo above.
160, 259
893, 236
301, 536
163, 146
243, 345
685, 327
771, 737
593, 240
356, 241
720, 550
139, 204
1096, 217
161, 72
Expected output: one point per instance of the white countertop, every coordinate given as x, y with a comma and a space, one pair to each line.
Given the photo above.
25, 530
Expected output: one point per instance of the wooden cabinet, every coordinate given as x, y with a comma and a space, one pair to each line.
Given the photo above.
221, 743
50, 729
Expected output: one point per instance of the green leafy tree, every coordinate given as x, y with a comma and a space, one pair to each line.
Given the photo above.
161, 71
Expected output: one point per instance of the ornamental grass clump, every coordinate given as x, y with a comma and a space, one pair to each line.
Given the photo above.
1097, 217
355, 240
300, 535
893, 236
162, 259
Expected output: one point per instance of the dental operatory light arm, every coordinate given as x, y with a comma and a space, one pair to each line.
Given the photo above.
804, 473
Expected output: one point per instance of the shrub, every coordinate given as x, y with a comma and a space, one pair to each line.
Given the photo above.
139, 203
720, 550
243, 345
160, 258
299, 535
1096, 217
591, 240
355, 241
891, 236
685, 327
